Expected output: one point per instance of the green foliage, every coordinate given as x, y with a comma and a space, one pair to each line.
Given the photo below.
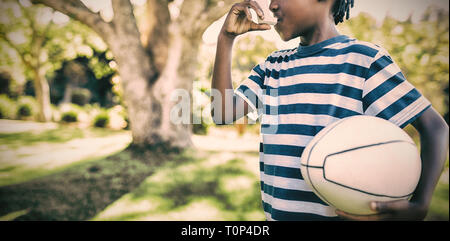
8, 108
24, 110
420, 49
200, 129
101, 66
27, 107
248, 52
31, 39
69, 117
101, 120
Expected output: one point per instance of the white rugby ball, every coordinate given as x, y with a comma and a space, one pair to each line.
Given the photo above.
361, 159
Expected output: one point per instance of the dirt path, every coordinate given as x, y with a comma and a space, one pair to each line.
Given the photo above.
22, 162
15, 126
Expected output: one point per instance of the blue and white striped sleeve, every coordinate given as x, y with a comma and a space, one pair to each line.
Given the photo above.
388, 95
251, 90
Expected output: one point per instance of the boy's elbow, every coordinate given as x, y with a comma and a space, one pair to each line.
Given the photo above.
438, 127
431, 123
433, 129
444, 128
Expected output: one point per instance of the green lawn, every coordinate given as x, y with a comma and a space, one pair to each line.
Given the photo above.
199, 189
439, 204
134, 183
28, 155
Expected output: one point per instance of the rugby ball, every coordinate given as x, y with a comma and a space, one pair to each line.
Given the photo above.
361, 159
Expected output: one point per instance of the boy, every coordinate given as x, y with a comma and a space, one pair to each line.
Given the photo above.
300, 91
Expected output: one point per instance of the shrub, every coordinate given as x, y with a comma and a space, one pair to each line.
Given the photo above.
69, 117
101, 120
24, 110
27, 107
8, 108
200, 129
118, 118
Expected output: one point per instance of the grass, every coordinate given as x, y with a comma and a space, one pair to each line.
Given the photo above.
173, 185
179, 185
200, 190
142, 184
28, 155
82, 191
59, 135
439, 209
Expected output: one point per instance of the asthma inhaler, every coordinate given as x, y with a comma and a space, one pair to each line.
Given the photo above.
268, 15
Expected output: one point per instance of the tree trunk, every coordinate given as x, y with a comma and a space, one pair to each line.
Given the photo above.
42, 90
151, 74
174, 78
67, 94
149, 101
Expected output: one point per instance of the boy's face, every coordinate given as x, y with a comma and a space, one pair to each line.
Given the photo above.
297, 17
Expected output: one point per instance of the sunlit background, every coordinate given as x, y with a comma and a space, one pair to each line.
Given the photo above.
78, 164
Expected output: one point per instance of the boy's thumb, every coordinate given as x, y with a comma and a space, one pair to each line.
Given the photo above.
259, 27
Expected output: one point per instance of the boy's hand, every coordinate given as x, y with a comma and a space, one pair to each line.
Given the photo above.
239, 19
395, 210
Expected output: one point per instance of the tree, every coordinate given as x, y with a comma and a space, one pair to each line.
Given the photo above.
31, 52
152, 70
41, 44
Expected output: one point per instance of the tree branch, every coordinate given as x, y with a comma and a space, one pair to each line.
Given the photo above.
155, 32
215, 10
78, 11
205, 12
123, 12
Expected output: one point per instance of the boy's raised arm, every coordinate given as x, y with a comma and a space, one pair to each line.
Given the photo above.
237, 22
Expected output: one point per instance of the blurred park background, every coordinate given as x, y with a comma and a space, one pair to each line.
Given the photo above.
85, 105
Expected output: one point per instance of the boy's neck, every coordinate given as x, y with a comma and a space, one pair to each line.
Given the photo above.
319, 34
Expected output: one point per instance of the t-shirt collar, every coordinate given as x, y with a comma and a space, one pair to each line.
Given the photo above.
312, 49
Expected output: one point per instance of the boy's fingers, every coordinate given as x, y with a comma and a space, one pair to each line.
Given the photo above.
389, 206
259, 27
375, 217
247, 12
257, 8
244, 7
238, 8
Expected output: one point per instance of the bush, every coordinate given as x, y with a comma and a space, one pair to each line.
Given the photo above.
27, 107
101, 120
118, 118
81, 96
8, 108
200, 129
24, 110
69, 117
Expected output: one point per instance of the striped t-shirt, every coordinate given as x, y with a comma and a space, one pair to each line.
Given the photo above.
298, 92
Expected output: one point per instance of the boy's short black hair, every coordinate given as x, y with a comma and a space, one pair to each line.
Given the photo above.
341, 9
